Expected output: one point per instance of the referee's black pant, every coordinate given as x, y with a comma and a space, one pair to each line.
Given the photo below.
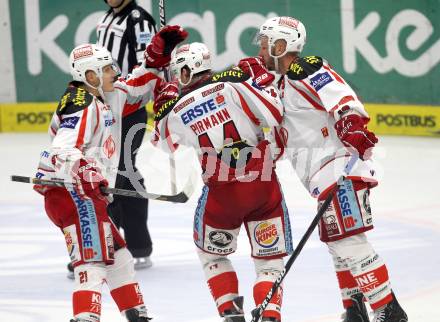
132, 213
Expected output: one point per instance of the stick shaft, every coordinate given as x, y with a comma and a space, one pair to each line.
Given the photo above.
167, 75
180, 197
257, 312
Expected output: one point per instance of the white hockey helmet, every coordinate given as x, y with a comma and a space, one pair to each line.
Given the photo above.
289, 29
195, 56
89, 57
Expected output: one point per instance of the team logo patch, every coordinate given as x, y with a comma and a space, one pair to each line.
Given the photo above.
220, 238
266, 234
69, 122
288, 22
220, 99
85, 51
183, 48
321, 80
109, 147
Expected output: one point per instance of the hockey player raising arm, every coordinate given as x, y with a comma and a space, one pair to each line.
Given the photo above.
221, 115
324, 122
85, 132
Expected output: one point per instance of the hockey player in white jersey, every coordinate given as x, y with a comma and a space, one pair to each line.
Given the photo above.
324, 123
85, 132
221, 115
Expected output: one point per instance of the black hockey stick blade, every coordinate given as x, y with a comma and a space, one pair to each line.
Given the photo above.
258, 311
181, 197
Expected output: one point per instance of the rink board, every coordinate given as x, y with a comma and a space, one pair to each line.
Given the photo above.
385, 118
32, 117
404, 119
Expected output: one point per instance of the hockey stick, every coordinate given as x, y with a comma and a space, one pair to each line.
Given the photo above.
180, 197
162, 23
258, 311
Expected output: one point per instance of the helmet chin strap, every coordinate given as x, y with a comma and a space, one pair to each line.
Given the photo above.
101, 92
99, 87
276, 64
277, 57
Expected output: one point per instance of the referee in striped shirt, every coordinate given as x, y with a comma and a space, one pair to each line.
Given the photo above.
125, 30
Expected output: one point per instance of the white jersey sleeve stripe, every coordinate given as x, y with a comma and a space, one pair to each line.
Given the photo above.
310, 89
272, 108
334, 74
307, 97
244, 105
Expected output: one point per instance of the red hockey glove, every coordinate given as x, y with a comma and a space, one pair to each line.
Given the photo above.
255, 67
88, 179
40, 189
166, 92
158, 52
353, 133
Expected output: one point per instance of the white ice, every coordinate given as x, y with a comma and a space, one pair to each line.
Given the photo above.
406, 208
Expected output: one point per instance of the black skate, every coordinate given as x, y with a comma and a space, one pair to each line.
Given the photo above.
236, 314
392, 312
132, 315
358, 311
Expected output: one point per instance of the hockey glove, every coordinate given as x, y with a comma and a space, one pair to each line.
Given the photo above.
255, 67
88, 180
353, 133
40, 189
166, 92
158, 52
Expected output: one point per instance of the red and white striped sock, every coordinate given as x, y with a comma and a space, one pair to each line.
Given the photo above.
127, 296
224, 288
375, 285
348, 287
87, 304
273, 309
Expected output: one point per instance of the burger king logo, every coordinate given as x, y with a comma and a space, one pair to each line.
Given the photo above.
266, 234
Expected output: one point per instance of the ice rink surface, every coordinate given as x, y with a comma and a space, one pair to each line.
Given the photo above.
405, 205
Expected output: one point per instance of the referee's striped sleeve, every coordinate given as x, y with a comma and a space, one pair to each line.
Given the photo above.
144, 31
